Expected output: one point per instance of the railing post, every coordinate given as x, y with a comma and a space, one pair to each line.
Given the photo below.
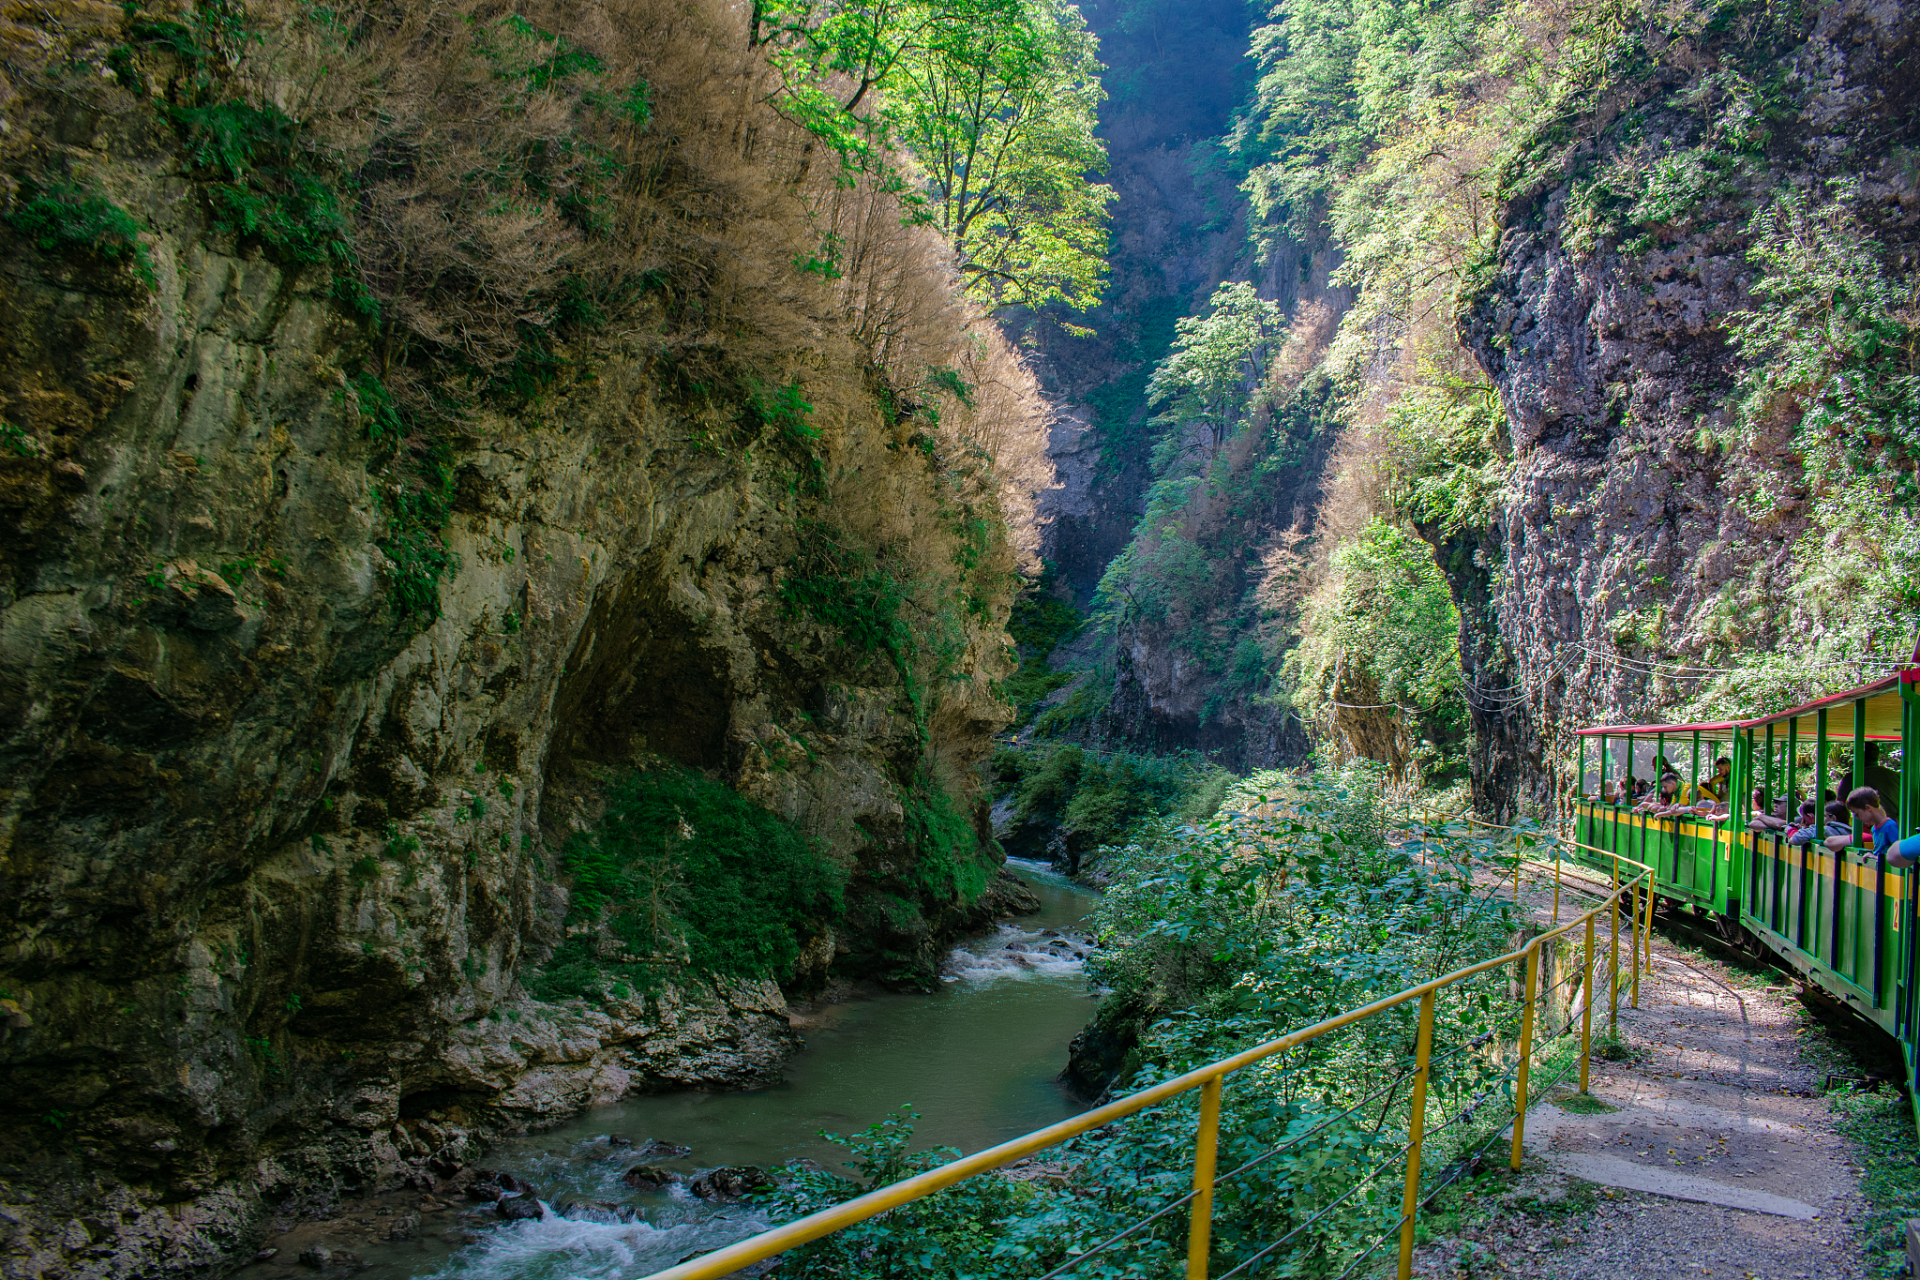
1613, 960
1586, 1005
1416, 1130
1634, 915
1205, 1143
1526, 1051
1647, 932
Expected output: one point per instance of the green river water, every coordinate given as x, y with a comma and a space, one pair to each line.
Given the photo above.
978, 1060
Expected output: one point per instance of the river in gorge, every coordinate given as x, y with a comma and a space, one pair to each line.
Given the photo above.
977, 1059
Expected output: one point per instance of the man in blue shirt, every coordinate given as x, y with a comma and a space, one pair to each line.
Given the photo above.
1865, 802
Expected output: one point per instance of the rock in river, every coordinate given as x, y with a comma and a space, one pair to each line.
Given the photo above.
646, 1177
733, 1182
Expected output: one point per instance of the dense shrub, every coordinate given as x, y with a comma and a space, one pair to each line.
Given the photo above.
684, 870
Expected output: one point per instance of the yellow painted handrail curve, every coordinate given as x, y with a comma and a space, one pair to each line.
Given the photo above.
1208, 1078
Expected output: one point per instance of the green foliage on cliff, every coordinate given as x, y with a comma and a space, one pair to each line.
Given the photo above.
994, 99
1202, 569
1040, 623
415, 493
684, 871
70, 221
1833, 341
1385, 631
951, 864
1832, 347
266, 183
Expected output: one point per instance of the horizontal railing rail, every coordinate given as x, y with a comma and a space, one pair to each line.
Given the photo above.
1209, 1080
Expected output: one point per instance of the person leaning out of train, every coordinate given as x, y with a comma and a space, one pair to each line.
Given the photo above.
1720, 785
1839, 825
1712, 810
1874, 817
1763, 820
1667, 802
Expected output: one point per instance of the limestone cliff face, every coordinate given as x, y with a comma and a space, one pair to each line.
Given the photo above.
1627, 542
277, 851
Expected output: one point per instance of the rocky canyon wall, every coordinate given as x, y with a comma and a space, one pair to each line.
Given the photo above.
1681, 504
319, 640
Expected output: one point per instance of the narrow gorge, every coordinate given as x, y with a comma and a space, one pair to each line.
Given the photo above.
555, 551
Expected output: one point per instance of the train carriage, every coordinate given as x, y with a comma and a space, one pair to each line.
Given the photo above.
1844, 920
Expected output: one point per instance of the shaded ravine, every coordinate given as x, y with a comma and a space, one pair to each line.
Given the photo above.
978, 1060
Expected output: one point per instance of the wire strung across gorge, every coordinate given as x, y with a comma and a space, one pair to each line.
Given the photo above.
1694, 671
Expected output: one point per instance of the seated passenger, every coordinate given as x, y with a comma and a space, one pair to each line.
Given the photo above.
1839, 825
1720, 786
1887, 843
1667, 800
1762, 819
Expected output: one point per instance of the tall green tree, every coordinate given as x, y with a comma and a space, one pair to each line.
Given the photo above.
996, 103
1208, 380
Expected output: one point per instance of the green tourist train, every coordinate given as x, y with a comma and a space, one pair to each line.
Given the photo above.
1744, 840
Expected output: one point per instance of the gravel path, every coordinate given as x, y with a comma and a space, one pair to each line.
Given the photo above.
1718, 1112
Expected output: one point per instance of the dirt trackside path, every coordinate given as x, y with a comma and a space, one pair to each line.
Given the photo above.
1709, 1154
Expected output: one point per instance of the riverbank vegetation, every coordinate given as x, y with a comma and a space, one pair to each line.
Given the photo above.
1297, 900
1071, 804
684, 873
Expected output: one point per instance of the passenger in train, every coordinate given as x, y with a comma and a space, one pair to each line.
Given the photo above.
1887, 843
1667, 802
1720, 785
1839, 824
1763, 820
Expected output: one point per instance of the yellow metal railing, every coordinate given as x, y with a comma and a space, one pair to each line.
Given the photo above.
1209, 1079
